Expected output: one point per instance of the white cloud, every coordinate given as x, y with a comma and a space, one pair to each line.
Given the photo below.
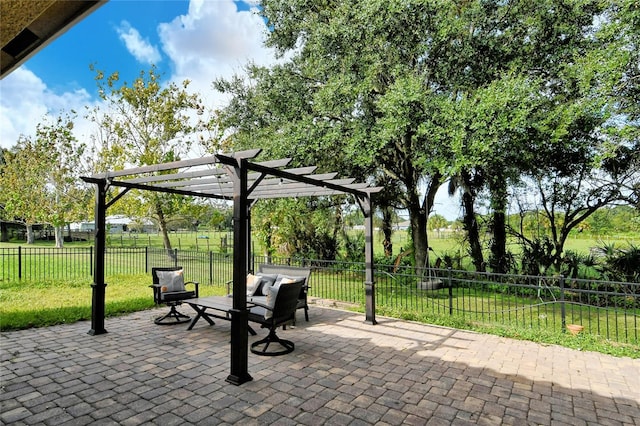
213, 40
25, 100
141, 49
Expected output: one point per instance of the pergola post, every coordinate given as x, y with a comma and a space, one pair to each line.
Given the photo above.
239, 317
369, 284
98, 286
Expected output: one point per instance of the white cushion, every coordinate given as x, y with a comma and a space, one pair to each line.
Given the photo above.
171, 280
288, 281
253, 282
272, 293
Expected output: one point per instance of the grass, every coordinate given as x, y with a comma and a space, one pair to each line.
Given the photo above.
515, 316
583, 341
211, 240
44, 303
66, 299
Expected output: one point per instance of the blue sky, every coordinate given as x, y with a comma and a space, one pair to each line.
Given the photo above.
122, 35
199, 40
97, 39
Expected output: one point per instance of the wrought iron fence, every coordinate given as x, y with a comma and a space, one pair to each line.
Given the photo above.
40, 263
605, 308
609, 309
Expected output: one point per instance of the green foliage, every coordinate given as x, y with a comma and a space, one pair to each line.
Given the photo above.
39, 178
148, 123
298, 228
353, 246
537, 256
620, 264
410, 93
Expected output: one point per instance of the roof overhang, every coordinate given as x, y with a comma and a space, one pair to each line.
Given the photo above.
26, 26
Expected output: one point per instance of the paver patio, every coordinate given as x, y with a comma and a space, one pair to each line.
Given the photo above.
343, 372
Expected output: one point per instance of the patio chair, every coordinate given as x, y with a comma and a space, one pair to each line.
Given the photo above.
291, 272
169, 288
279, 310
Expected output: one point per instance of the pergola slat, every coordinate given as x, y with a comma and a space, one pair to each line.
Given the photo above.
179, 179
180, 164
176, 176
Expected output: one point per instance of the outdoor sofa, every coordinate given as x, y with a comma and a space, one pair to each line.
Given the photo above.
272, 275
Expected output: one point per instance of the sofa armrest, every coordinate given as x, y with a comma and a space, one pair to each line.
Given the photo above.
261, 305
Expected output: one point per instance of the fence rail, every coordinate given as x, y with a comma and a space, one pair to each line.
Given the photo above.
609, 309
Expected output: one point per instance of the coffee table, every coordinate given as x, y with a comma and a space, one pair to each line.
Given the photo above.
221, 305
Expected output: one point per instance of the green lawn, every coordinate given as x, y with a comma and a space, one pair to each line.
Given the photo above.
25, 304
441, 243
35, 304
65, 299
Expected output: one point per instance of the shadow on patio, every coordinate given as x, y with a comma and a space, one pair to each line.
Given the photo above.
342, 371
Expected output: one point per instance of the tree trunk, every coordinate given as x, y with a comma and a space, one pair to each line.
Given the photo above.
58, 231
387, 230
473, 233
418, 220
499, 261
4, 232
268, 241
418, 216
163, 229
30, 236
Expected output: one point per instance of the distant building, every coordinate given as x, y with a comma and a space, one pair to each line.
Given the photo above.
117, 224
402, 226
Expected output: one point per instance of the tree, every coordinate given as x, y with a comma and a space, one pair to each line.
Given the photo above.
4, 232
537, 86
144, 124
469, 185
23, 185
420, 92
353, 96
437, 222
40, 178
585, 154
618, 67
65, 197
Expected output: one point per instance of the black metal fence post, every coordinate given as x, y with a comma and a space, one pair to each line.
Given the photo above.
19, 262
175, 258
449, 278
563, 309
210, 267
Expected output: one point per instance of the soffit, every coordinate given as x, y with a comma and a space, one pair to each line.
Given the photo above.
26, 26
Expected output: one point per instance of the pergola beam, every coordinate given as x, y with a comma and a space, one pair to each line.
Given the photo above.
174, 165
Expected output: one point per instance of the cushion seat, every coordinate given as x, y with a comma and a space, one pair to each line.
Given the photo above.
169, 288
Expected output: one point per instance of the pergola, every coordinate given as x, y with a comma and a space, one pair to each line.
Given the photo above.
234, 177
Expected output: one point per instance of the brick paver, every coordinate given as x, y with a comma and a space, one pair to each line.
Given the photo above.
342, 371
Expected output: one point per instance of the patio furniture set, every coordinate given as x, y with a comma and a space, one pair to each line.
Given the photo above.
274, 294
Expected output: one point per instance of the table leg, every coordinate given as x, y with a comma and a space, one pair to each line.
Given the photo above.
200, 314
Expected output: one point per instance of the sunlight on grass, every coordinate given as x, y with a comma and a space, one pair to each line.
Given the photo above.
43, 303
